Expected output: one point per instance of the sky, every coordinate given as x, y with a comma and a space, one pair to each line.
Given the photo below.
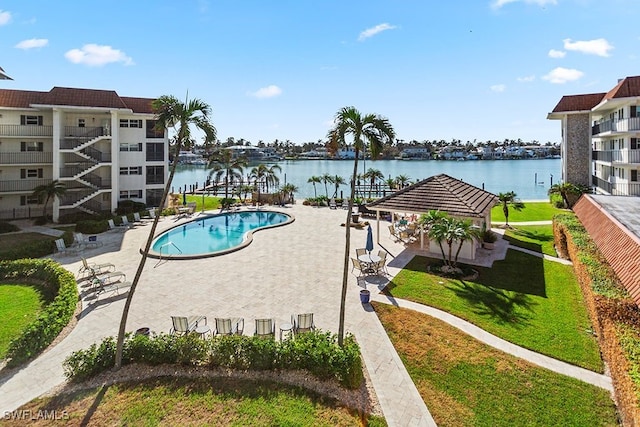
448, 69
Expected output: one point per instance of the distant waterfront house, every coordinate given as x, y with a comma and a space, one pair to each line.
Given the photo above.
102, 146
445, 194
601, 138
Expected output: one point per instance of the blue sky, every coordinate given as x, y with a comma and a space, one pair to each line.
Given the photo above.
472, 69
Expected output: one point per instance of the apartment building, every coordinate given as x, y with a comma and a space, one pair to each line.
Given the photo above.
601, 138
102, 146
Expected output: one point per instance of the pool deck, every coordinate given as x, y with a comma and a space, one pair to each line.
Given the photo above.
285, 270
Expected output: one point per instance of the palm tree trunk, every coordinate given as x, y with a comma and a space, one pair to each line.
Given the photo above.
143, 260
347, 248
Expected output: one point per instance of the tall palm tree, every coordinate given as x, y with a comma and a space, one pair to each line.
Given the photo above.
225, 167
326, 178
509, 199
180, 116
403, 180
48, 192
337, 181
264, 174
287, 192
565, 190
391, 183
315, 180
371, 128
445, 228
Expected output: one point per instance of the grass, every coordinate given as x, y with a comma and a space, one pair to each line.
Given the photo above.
534, 211
12, 240
19, 305
199, 401
210, 202
538, 238
523, 299
466, 383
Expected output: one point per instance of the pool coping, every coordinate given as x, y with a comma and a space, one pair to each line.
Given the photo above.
246, 241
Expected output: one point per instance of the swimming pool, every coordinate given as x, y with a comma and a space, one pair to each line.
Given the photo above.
214, 234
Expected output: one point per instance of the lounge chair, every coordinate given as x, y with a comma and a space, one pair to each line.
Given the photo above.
125, 222
265, 328
182, 325
151, 216
136, 217
86, 241
114, 287
93, 268
61, 248
345, 203
302, 323
106, 278
113, 226
332, 204
229, 326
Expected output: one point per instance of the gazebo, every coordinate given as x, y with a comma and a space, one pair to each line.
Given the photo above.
439, 193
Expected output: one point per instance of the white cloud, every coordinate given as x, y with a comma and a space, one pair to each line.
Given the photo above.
267, 92
95, 55
498, 88
32, 43
370, 32
497, 4
526, 79
600, 47
562, 75
5, 17
557, 53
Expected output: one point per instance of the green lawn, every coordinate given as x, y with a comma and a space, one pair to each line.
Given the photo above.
466, 383
12, 240
538, 238
199, 402
19, 305
210, 202
524, 299
535, 211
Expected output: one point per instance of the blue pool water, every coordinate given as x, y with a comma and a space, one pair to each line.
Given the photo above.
215, 234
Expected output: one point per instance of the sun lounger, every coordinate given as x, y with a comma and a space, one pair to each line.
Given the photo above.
182, 325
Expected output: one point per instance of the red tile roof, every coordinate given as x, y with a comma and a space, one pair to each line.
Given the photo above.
578, 102
627, 87
73, 97
442, 193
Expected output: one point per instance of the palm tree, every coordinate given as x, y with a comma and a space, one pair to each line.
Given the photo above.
171, 113
49, 191
315, 180
363, 128
508, 200
287, 191
403, 180
262, 173
391, 183
337, 180
373, 175
444, 228
224, 166
565, 189
326, 178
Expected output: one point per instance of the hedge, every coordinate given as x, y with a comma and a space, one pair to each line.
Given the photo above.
615, 316
59, 288
35, 249
317, 352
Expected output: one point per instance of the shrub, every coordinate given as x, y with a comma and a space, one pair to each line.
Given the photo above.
489, 236
92, 226
126, 207
7, 227
316, 352
59, 287
41, 220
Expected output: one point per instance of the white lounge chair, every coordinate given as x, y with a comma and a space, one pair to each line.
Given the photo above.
182, 325
302, 323
86, 241
88, 268
113, 226
229, 326
61, 248
125, 222
332, 204
265, 328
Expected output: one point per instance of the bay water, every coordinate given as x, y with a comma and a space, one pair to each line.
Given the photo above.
529, 179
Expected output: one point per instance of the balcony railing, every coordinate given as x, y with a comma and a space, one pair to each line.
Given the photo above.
26, 157
22, 184
69, 171
26, 130
617, 188
97, 155
617, 156
623, 125
85, 132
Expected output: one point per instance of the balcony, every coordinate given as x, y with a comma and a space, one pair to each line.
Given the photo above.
623, 125
616, 156
26, 157
26, 130
22, 184
617, 188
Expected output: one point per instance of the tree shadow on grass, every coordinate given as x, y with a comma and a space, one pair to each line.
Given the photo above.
504, 306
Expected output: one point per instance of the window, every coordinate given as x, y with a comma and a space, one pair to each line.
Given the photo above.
151, 130
29, 200
155, 152
154, 196
31, 173
31, 120
136, 146
80, 123
130, 123
31, 146
155, 174
634, 143
634, 175
130, 194
633, 111
133, 170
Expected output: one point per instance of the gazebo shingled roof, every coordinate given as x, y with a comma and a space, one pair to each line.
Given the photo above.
439, 192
